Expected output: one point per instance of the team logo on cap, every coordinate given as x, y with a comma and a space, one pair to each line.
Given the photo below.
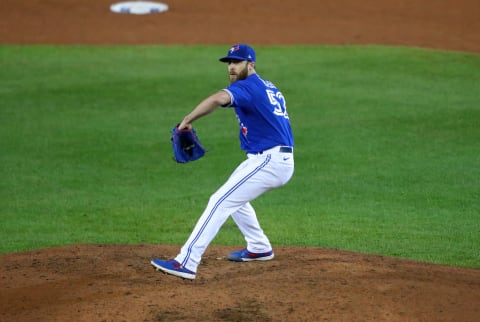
234, 48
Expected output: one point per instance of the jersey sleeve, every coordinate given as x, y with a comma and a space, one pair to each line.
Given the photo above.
231, 98
239, 96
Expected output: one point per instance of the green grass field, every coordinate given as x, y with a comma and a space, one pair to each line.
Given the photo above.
387, 148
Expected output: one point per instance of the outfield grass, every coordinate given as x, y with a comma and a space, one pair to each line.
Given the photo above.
387, 148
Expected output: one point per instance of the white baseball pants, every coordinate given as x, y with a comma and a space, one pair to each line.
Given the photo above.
254, 176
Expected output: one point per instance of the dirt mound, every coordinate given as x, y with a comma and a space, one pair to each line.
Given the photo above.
117, 283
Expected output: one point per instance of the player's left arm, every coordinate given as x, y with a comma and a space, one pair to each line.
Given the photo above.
205, 107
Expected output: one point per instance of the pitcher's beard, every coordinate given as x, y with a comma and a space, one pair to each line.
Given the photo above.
239, 76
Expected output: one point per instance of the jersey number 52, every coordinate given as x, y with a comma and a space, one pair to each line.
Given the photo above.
278, 102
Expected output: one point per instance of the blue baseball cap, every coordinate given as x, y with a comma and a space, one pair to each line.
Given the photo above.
240, 52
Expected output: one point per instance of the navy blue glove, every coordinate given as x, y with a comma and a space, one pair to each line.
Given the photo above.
186, 145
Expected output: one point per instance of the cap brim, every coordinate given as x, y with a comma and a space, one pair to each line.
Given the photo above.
227, 58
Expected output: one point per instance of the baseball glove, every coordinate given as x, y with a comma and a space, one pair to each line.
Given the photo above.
186, 145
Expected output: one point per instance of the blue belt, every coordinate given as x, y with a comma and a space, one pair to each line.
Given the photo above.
286, 149
282, 149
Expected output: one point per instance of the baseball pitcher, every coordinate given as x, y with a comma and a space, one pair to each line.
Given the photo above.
266, 137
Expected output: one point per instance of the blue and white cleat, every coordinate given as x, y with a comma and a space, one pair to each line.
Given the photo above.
173, 267
245, 256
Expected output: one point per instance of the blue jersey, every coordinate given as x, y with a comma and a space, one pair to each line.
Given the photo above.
262, 114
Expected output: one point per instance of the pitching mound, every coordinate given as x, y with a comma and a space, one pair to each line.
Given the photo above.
117, 283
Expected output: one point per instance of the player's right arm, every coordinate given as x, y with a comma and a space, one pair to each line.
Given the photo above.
205, 107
